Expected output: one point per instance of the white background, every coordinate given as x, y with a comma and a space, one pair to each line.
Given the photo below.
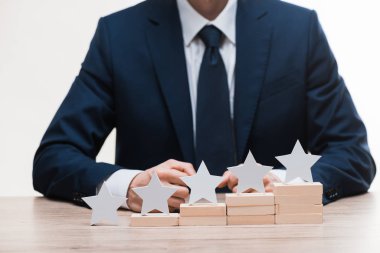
43, 42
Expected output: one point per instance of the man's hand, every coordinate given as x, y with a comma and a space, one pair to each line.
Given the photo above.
169, 173
231, 182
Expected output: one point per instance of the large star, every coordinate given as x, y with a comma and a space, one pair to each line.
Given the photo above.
250, 174
104, 206
298, 164
202, 185
155, 196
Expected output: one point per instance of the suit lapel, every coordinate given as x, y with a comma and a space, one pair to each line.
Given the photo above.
165, 40
253, 37
167, 49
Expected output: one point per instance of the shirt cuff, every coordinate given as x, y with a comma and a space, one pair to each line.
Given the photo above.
118, 183
279, 173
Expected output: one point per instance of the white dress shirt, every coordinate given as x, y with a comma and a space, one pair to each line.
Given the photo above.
192, 23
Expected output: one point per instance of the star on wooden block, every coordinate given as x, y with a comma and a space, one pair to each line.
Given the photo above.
104, 206
250, 174
298, 164
202, 185
155, 196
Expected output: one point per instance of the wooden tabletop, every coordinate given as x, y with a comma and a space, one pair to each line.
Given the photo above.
41, 225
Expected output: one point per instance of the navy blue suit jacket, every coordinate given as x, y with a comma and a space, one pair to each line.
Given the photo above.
134, 79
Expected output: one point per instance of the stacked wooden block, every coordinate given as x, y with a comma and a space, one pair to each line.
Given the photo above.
203, 214
250, 208
288, 204
154, 220
298, 203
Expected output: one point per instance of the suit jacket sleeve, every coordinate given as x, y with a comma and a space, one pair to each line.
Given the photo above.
335, 129
64, 164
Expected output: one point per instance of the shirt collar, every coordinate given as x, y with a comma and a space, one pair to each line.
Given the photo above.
192, 22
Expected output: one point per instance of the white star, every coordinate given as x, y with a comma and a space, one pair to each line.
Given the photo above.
298, 164
250, 174
202, 185
154, 195
104, 206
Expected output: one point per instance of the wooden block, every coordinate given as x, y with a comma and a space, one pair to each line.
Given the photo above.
154, 220
250, 210
314, 218
250, 220
203, 221
203, 209
302, 208
249, 199
300, 189
295, 200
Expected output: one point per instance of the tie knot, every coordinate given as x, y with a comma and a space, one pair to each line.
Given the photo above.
211, 36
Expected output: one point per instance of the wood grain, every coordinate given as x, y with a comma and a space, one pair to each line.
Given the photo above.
299, 218
250, 210
292, 209
203, 209
154, 220
250, 220
297, 200
40, 225
314, 188
249, 199
203, 221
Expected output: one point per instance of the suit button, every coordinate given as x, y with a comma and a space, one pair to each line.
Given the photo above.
75, 194
77, 197
332, 194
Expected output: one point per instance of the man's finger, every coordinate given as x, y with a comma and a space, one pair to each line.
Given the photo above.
232, 181
183, 167
225, 178
250, 190
134, 207
175, 202
134, 203
172, 176
269, 188
266, 180
182, 192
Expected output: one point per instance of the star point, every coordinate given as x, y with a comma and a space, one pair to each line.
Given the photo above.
298, 164
104, 206
155, 196
250, 174
202, 185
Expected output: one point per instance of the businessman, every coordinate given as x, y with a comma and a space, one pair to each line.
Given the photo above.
190, 80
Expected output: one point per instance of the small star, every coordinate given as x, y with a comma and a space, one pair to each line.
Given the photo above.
298, 164
250, 174
202, 185
155, 196
104, 206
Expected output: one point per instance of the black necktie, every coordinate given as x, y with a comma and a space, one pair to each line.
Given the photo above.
215, 142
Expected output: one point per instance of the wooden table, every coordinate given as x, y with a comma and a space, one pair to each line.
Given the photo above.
41, 225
